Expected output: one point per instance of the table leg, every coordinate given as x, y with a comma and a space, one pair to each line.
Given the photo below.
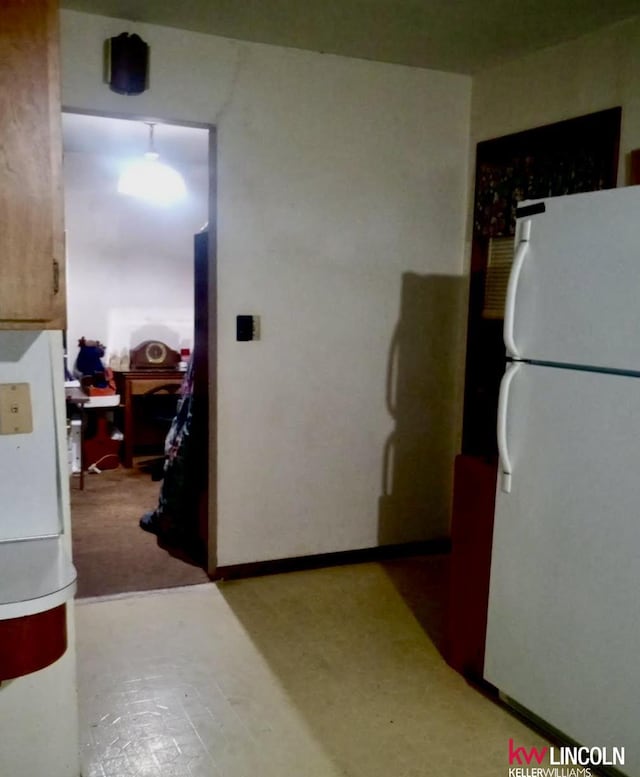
128, 426
83, 420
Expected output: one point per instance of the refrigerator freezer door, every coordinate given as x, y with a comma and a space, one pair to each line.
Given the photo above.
564, 610
576, 300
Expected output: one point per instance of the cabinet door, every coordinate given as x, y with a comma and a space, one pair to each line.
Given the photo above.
31, 230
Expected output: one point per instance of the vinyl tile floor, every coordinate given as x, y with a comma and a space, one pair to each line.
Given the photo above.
323, 673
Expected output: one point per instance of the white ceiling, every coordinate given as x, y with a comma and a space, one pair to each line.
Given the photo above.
127, 138
456, 35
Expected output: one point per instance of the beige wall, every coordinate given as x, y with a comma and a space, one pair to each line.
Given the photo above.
340, 181
597, 71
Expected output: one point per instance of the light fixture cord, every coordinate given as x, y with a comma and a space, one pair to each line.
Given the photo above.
151, 126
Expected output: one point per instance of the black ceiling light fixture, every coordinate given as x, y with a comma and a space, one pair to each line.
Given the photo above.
127, 64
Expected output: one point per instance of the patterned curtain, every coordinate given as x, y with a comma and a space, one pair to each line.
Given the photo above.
501, 186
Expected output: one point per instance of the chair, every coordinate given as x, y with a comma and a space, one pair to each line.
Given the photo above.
160, 413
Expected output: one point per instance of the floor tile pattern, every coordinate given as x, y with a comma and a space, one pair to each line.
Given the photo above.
325, 673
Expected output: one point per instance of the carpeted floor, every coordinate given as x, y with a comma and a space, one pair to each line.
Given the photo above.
110, 551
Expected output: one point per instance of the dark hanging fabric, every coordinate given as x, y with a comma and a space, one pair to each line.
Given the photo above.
175, 518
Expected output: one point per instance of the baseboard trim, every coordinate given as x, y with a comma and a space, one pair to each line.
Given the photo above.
362, 555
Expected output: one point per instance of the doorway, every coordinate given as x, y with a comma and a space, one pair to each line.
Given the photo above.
133, 278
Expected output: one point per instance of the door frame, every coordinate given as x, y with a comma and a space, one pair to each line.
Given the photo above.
207, 500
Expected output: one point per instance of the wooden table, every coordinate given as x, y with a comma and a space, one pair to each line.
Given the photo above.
132, 386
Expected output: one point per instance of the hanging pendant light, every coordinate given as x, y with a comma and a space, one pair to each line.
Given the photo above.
152, 180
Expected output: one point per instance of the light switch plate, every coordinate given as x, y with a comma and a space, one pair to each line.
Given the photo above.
15, 408
247, 328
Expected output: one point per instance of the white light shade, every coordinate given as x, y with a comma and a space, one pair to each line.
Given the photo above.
153, 181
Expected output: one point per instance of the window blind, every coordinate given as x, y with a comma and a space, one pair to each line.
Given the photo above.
497, 276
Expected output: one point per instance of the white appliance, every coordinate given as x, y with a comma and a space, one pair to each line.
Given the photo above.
74, 445
563, 630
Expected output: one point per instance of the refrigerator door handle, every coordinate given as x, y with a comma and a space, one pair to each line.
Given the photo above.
503, 412
512, 287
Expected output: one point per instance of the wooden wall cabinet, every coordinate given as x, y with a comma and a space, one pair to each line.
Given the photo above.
471, 539
32, 292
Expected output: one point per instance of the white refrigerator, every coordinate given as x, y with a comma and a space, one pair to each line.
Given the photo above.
563, 630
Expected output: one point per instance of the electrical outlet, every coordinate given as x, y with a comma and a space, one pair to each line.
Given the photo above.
15, 408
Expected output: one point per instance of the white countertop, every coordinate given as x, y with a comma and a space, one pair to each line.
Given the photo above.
78, 397
35, 575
